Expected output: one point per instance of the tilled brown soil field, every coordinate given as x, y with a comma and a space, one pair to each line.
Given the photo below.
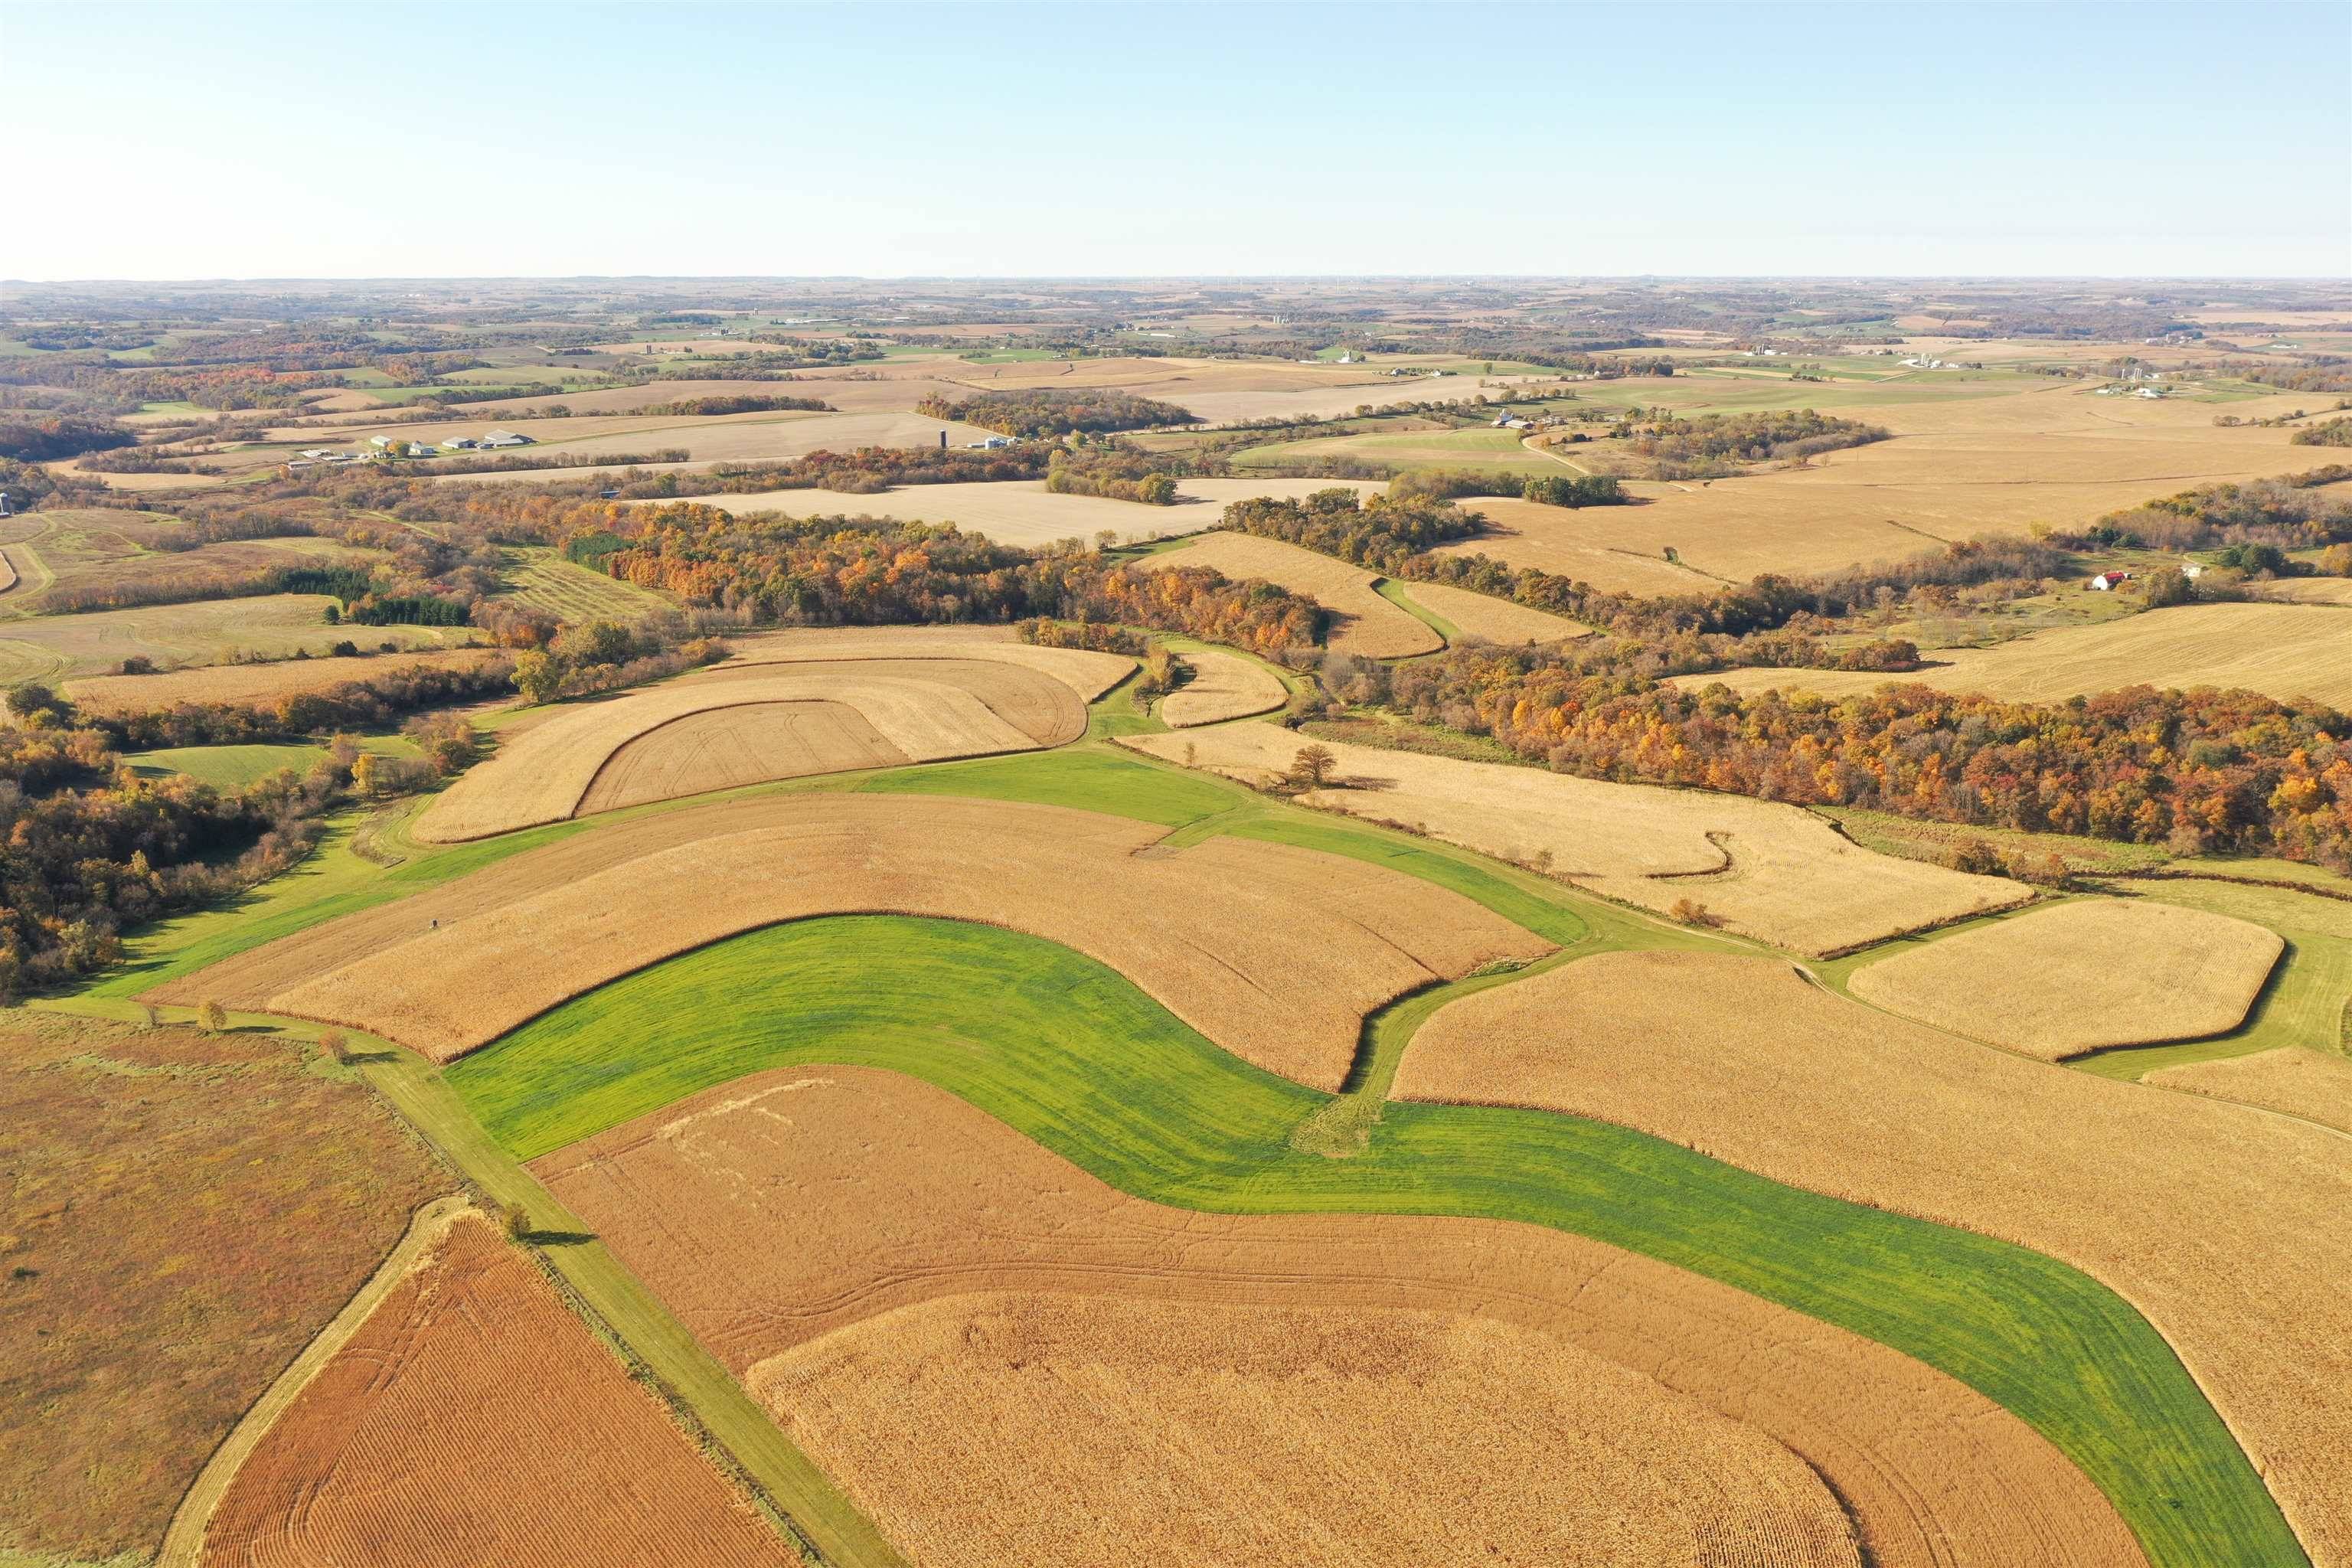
472, 1418
2291, 1079
1311, 1328
1224, 686
1768, 871
1274, 952
921, 709
2228, 1227
2080, 976
1367, 626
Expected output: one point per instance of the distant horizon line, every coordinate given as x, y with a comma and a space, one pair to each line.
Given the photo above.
2345, 278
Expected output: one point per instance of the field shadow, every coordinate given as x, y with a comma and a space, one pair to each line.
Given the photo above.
558, 1238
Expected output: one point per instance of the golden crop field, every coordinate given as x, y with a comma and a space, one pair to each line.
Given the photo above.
917, 709
908, 1199
2080, 976
259, 683
1274, 952
2286, 652
1496, 620
1086, 674
472, 1373
1367, 625
2245, 1267
1224, 686
1772, 872
1024, 512
2294, 1080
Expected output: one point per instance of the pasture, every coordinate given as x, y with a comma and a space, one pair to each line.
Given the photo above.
2080, 976
211, 631
544, 580
1771, 872
2244, 1270
237, 766
472, 1371
2286, 651
909, 1201
67, 551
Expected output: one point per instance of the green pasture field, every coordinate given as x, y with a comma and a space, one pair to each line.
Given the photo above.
1070, 1054
233, 767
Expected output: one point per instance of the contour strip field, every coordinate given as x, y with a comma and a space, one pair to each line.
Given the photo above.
899, 1194
2230, 1228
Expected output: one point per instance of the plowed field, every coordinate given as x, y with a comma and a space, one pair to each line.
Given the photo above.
2228, 1227
901, 1195
1274, 952
2083, 976
474, 1419
1770, 871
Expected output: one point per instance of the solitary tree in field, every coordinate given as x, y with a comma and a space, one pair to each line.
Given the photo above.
153, 1014
518, 1222
1312, 766
337, 1044
1691, 912
211, 1016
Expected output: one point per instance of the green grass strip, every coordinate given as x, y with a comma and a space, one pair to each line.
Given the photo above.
1070, 1054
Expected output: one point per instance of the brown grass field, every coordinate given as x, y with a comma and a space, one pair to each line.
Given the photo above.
72, 547
7, 572
255, 683
1024, 512
472, 1418
2284, 651
63, 647
919, 709
1088, 674
1496, 620
182, 1214
1772, 872
2292, 1079
1274, 952
1366, 625
2306, 590
2246, 1268
1224, 686
900, 1195
1620, 548
2080, 976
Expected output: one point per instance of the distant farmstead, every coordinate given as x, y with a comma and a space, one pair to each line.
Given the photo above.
2108, 581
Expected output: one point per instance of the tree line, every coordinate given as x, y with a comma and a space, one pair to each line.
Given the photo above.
1045, 413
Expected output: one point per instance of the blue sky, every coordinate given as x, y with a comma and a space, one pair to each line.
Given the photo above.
884, 140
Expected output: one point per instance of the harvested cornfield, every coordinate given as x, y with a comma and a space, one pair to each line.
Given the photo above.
1768, 871
2286, 651
1224, 686
1274, 952
472, 1418
2228, 1227
257, 683
907, 710
2292, 1079
724, 747
1496, 620
936, 1247
7, 572
1087, 674
1278, 1436
2081, 976
1364, 623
